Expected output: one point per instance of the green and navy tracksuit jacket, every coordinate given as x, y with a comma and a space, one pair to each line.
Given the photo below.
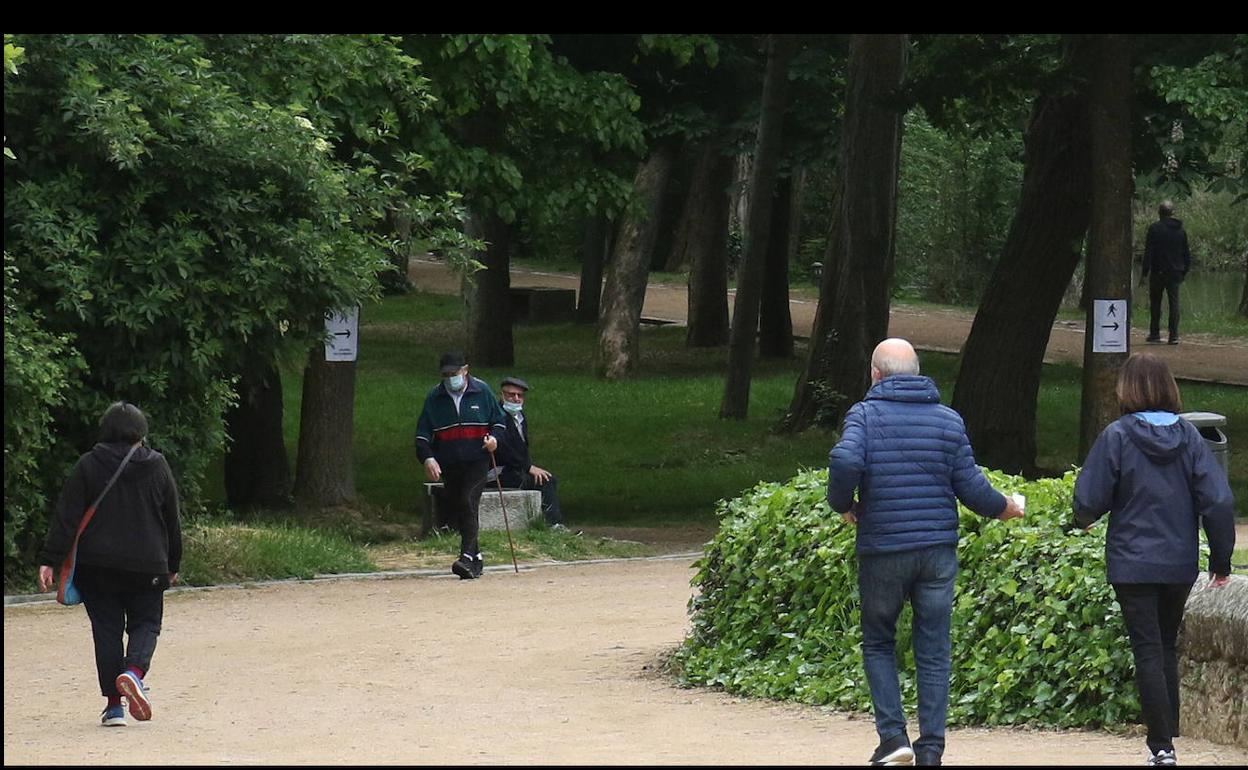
453, 436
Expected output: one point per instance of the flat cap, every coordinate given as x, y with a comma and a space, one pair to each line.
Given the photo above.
516, 382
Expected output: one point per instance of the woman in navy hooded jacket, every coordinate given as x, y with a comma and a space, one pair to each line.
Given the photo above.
1154, 474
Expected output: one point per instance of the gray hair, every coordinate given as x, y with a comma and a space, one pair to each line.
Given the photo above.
895, 356
1166, 209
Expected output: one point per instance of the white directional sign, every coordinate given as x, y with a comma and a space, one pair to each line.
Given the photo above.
343, 329
1109, 317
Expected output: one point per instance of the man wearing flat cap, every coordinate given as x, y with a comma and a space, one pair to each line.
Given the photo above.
516, 470
458, 426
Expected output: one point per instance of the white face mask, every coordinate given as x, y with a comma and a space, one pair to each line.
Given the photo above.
455, 383
512, 407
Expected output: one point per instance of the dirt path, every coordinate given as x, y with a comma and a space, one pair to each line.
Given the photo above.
552, 666
1199, 357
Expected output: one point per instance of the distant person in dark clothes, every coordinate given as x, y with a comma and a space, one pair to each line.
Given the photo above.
1157, 478
1167, 260
129, 553
516, 469
459, 424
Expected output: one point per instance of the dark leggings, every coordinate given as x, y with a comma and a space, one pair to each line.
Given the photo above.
121, 603
1153, 613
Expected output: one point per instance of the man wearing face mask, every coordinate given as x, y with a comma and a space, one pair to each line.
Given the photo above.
459, 424
516, 470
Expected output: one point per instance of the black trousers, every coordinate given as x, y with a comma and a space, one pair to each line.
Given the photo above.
550, 492
1153, 613
1158, 282
120, 602
461, 494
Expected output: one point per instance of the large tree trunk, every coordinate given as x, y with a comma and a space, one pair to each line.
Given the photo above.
324, 470
869, 162
999, 377
487, 294
257, 467
775, 324
705, 239
741, 342
624, 291
1109, 258
594, 254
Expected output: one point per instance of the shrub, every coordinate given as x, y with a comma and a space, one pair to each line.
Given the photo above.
1036, 634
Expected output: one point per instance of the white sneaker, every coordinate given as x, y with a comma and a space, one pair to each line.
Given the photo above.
1164, 758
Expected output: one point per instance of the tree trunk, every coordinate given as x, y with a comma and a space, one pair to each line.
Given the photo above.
257, 467
395, 281
741, 342
594, 249
624, 291
487, 295
775, 324
325, 471
809, 403
869, 162
999, 377
1109, 259
1243, 302
706, 242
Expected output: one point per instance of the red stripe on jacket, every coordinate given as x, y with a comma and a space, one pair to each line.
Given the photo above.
461, 432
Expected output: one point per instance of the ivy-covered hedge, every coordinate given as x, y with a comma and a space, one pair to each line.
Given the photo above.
1037, 637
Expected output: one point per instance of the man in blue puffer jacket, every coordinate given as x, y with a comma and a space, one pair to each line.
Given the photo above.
908, 457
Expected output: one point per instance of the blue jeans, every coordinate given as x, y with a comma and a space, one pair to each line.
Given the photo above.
885, 581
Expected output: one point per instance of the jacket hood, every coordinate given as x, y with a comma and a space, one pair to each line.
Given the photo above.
1173, 223
109, 456
1160, 443
906, 387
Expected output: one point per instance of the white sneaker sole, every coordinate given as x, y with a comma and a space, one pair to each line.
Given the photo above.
140, 707
902, 756
114, 722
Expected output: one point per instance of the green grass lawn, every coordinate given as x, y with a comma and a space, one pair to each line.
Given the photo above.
645, 451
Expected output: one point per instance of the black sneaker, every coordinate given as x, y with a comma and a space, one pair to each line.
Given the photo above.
927, 759
1153, 338
1162, 757
478, 566
1174, 341
894, 751
463, 568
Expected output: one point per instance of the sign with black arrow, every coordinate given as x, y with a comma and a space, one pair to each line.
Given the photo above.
343, 329
1110, 329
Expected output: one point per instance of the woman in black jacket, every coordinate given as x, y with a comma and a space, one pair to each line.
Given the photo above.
1154, 474
128, 554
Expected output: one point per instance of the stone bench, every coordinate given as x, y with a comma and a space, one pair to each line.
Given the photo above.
540, 305
523, 507
1213, 662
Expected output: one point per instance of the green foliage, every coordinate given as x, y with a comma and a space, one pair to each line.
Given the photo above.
176, 228
956, 198
1036, 634
37, 369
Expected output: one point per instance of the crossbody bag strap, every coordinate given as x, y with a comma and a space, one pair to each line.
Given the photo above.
86, 517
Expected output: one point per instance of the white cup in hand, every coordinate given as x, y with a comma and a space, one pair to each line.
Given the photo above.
1020, 501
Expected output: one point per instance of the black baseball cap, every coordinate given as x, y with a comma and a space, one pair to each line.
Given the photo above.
452, 361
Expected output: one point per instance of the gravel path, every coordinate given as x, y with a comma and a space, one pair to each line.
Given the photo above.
556, 665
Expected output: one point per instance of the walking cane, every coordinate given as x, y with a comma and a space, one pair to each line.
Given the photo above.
506, 523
